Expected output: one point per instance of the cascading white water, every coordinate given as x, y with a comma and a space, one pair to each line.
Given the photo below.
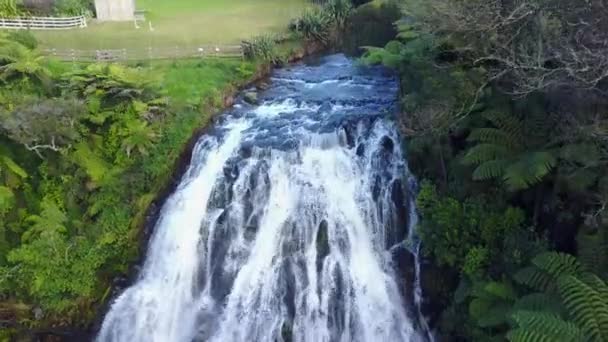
282, 228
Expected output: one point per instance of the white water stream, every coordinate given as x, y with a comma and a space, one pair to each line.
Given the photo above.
282, 227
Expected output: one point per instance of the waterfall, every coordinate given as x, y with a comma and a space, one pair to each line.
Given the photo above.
289, 224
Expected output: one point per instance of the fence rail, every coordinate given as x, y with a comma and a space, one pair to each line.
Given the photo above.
43, 23
76, 55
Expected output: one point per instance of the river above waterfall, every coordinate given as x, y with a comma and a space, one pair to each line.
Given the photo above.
293, 222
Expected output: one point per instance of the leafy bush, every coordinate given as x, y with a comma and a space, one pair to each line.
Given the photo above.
72, 7
10, 8
338, 11
25, 38
41, 124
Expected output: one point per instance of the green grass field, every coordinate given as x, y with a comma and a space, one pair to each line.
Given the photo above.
184, 23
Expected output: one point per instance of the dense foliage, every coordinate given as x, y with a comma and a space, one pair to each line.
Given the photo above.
20, 8
84, 150
323, 24
505, 107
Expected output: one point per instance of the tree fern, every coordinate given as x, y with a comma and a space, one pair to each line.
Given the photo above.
501, 152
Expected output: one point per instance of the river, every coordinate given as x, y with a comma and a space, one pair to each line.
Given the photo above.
291, 223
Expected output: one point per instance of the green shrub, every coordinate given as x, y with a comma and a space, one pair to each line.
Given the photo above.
260, 47
338, 11
72, 7
465, 235
313, 24
25, 38
10, 8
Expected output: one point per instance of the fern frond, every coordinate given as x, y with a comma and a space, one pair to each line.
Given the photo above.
534, 278
493, 136
529, 170
485, 152
7, 199
13, 167
585, 306
548, 324
490, 170
558, 264
508, 123
95, 167
523, 335
592, 251
539, 302
597, 284
500, 290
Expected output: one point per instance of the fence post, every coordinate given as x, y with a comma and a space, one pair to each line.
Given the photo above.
149, 52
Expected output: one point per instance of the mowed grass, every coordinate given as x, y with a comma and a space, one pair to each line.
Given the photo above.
181, 23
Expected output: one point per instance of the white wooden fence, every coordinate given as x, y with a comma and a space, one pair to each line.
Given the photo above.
149, 53
43, 23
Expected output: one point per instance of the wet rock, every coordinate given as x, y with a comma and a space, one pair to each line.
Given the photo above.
361, 150
262, 86
436, 283
388, 144
228, 101
251, 97
399, 227
286, 331
405, 268
38, 313
322, 244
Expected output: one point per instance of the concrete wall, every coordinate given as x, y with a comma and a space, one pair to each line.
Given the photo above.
115, 10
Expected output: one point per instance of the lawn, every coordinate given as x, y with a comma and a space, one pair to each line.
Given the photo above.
183, 23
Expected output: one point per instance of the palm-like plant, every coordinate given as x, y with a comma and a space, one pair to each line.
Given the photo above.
505, 152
